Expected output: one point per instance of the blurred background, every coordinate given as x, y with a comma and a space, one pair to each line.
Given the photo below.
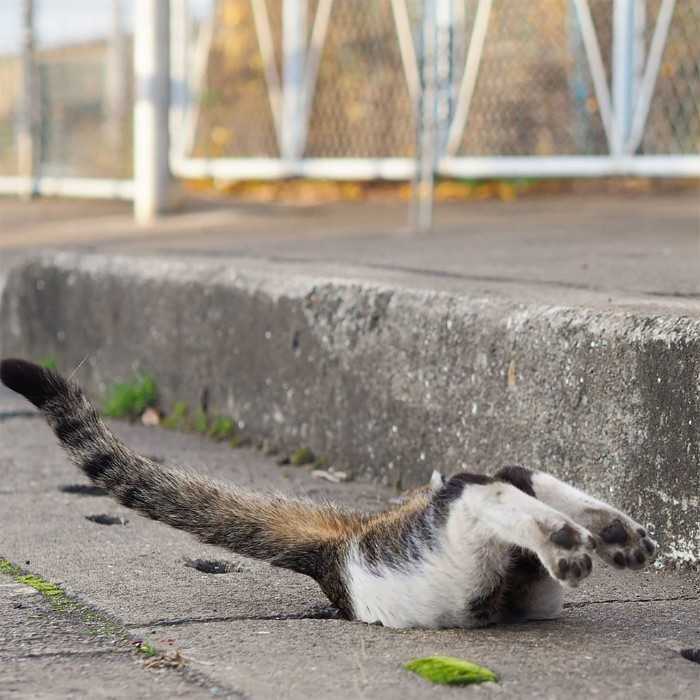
489, 96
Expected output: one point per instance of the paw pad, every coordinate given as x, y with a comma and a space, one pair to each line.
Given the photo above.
565, 537
615, 533
624, 544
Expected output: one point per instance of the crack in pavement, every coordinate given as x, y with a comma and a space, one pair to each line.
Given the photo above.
585, 603
66, 654
332, 614
20, 413
321, 614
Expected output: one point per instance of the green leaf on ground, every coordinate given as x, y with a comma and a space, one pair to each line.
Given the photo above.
447, 670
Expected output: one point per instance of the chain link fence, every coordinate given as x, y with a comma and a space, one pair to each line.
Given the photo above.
81, 85
534, 92
234, 113
86, 90
10, 44
673, 125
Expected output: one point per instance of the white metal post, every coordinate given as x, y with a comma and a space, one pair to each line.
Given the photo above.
317, 41
640, 50
266, 44
651, 72
151, 102
423, 184
180, 99
116, 79
294, 41
623, 78
25, 124
471, 72
407, 49
443, 73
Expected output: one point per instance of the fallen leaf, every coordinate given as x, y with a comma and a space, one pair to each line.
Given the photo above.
447, 670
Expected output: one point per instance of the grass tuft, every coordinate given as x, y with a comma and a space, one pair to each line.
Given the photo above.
222, 428
447, 670
7, 567
49, 362
200, 422
177, 420
147, 649
131, 399
302, 456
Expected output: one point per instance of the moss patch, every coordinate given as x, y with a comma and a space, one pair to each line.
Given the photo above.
447, 670
131, 399
46, 588
147, 649
200, 422
222, 428
302, 456
95, 623
219, 428
8, 568
177, 420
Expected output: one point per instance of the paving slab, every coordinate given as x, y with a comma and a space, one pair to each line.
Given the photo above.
264, 633
616, 651
49, 655
120, 564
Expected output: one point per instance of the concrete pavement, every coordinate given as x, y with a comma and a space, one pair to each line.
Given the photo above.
617, 245
560, 333
554, 332
264, 633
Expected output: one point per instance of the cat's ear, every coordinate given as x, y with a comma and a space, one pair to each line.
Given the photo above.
436, 480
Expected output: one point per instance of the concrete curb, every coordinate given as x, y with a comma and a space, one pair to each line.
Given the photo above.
386, 380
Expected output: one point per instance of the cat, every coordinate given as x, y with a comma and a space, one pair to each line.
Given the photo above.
467, 551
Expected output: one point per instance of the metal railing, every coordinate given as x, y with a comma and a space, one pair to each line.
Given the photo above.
392, 89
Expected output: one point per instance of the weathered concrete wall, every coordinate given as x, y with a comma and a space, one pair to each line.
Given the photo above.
390, 382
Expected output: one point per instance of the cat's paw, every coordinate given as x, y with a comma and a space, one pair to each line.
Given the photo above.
621, 542
566, 553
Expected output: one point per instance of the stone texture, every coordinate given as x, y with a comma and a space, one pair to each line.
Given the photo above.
389, 381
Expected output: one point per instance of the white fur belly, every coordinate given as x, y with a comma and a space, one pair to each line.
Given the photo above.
432, 592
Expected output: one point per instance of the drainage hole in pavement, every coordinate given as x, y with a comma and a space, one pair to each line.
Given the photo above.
83, 489
691, 655
103, 519
212, 566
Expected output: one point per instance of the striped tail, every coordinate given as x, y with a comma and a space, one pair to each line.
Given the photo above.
292, 534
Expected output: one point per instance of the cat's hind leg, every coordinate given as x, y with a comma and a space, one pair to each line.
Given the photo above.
620, 541
511, 516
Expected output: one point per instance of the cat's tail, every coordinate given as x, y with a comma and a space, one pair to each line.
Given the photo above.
293, 534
